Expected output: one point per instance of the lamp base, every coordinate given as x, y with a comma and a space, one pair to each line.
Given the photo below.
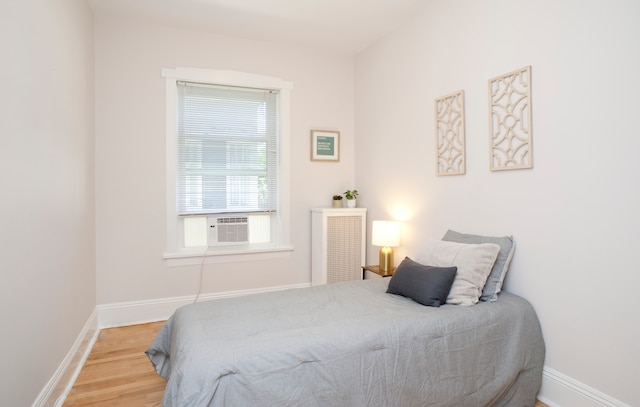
386, 259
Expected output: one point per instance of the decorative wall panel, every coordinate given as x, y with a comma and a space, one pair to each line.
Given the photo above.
510, 121
450, 142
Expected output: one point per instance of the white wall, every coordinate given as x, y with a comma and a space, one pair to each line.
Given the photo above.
130, 158
574, 216
46, 179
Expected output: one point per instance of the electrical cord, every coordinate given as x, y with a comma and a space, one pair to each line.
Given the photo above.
204, 257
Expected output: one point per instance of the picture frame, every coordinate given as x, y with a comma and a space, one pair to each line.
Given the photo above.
325, 145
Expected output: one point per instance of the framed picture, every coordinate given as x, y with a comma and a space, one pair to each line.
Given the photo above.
325, 145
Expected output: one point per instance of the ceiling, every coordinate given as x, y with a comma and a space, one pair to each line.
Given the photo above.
346, 26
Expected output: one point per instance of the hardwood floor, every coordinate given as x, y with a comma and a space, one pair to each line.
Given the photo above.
118, 373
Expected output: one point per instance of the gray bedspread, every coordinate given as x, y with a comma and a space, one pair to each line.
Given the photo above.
349, 344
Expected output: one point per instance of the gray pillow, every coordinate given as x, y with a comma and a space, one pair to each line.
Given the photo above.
507, 246
425, 285
474, 263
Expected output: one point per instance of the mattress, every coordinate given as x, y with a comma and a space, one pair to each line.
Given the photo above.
349, 344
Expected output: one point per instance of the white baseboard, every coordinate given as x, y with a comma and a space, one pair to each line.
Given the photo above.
559, 390
56, 390
139, 312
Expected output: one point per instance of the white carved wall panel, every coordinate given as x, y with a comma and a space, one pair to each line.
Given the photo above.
510, 120
450, 137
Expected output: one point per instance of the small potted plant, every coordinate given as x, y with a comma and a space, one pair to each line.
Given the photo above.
337, 201
351, 195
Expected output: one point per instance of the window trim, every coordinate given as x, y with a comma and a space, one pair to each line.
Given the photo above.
227, 78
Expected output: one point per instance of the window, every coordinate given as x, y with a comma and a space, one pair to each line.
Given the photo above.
227, 149
227, 161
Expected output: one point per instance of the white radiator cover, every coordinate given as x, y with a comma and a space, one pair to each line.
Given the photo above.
337, 244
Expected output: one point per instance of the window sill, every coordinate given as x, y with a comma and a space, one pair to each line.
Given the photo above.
192, 257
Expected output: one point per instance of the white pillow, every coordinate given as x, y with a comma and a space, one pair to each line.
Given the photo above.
474, 263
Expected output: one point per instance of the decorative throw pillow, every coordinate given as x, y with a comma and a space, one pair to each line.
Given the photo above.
474, 262
493, 285
425, 285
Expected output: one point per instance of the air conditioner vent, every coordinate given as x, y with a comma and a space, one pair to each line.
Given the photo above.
228, 230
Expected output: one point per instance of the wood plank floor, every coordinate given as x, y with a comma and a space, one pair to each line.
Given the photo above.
118, 373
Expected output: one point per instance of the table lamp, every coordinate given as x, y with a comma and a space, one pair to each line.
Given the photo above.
387, 235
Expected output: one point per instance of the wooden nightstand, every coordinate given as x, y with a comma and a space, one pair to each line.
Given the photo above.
376, 270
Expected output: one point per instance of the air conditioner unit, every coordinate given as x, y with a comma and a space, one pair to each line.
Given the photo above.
228, 230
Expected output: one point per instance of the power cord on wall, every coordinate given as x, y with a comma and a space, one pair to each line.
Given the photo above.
204, 257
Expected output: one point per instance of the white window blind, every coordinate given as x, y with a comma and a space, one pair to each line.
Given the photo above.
227, 152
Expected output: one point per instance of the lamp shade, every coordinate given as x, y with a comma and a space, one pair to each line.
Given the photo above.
385, 233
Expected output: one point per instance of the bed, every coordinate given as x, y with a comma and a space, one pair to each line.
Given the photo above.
349, 344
